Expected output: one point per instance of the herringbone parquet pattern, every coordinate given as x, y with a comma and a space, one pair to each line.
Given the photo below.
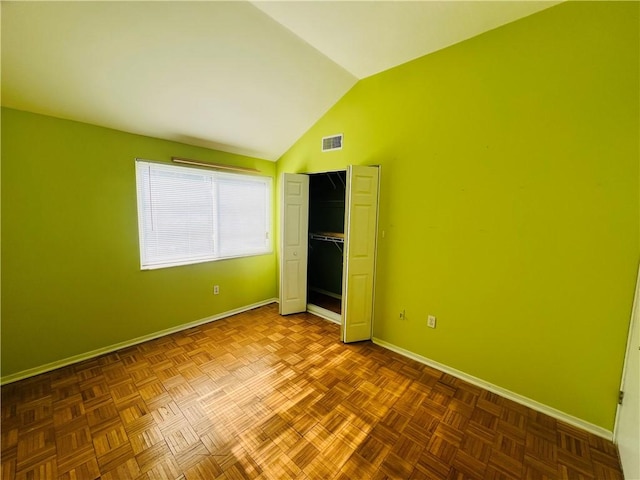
269, 397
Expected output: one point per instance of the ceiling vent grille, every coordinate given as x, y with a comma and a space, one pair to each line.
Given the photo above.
334, 142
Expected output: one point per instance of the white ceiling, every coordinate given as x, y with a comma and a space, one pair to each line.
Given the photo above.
367, 37
241, 77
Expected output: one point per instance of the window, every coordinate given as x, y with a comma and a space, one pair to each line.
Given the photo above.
189, 215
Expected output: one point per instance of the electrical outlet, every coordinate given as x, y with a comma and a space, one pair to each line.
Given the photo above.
216, 289
431, 321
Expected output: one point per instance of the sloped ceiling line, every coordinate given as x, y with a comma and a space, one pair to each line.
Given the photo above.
247, 78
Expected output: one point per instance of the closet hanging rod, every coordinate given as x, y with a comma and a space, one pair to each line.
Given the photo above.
218, 166
328, 237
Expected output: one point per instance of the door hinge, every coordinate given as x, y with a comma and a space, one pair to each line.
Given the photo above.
620, 397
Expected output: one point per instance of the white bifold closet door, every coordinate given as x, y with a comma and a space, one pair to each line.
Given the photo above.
361, 216
294, 242
361, 219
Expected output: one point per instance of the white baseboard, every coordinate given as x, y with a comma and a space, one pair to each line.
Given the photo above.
527, 402
324, 313
128, 343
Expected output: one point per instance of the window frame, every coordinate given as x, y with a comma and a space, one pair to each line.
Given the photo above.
147, 263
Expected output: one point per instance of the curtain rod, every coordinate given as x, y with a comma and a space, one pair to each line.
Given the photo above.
219, 166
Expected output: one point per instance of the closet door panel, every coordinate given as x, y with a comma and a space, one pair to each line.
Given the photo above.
294, 221
360, 248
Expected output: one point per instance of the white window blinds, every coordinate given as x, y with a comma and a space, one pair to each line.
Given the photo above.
189, 215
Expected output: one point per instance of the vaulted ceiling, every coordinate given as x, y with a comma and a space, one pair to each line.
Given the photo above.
237, 76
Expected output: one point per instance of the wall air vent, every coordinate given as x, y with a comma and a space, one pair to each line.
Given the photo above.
334, 142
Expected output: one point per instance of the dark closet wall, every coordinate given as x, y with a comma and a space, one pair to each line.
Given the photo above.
326, 214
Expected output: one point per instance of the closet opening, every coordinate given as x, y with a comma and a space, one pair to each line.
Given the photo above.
326, 243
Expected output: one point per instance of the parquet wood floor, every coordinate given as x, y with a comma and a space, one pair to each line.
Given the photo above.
268, 397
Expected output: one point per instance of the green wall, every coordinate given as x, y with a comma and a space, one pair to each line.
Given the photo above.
509, 201
71, 278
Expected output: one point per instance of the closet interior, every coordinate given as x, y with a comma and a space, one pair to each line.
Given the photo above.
326, 240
